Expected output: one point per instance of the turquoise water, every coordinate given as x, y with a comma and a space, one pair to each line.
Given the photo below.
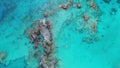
75, 45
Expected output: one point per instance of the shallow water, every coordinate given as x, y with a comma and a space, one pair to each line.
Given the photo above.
75, 45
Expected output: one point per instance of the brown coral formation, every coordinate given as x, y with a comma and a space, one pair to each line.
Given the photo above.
45, 14
86, 18
68, 4
44, 29
93, 28
64, 6
92, 4
47, 63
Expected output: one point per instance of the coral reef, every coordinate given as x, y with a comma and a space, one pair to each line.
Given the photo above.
93, 28
44, 29
64, 6
92, 4
86, 18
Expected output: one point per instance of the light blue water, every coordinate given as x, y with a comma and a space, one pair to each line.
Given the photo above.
100, 50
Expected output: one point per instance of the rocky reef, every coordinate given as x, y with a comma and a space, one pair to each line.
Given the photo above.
44, 30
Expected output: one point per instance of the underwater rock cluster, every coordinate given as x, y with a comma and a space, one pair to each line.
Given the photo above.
70, 3
3, 55
44, 30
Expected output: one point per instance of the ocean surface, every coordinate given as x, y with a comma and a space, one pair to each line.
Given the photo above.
83, 37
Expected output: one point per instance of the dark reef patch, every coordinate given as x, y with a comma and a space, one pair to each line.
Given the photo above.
113, 11
6, 8
118, 1
2, 65
107, 1
17, 63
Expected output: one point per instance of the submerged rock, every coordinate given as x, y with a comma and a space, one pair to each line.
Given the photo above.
93, 28
44, 66
34, 36
47, 63
113, 11
64, 6
3, 55
53, 63
48, 50
43, 62
86, 18
93, 5
45, 14
77, 5
44, 31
